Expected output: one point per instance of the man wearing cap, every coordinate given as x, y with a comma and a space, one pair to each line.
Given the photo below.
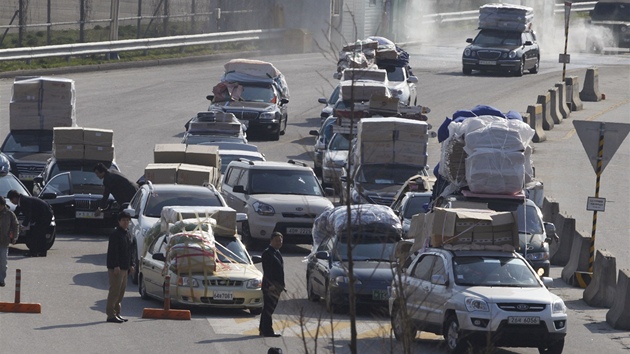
119, 265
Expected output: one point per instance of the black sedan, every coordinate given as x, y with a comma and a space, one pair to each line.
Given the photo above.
504, 51
74, 191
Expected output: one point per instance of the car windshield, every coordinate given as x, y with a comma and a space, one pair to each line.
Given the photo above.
415, 205
81, 172
368, 247
490, 37
227, 158
207, 139
9, 182
284, 182
394, 73
493, 271
386, 173
339, 142
230, 251
334, 96
611, 12
198, 197
258, 93
528, 220
28, 141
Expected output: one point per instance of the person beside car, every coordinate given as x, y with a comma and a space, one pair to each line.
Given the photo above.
119, 265
8, 234
116, 184
272, 283
37, 217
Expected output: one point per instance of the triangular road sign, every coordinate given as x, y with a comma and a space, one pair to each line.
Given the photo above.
589, 133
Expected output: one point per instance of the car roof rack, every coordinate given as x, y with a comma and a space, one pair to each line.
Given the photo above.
298, 162
242, 159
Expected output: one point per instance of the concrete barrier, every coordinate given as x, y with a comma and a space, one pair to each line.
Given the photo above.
560, 253
535, 122
562, 100
601, 291
554, 112
578, 261
590, 92
525, 116
545, 101
573, 93
619, 314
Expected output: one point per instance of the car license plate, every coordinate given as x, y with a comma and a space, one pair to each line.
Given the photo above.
27, 176
487, 62
88, 215
299, 230
525, 320
379, 295
222, 295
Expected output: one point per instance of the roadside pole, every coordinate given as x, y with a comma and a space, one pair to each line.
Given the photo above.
565, 58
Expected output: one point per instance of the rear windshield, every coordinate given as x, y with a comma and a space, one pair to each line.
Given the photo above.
28, 141
157, 201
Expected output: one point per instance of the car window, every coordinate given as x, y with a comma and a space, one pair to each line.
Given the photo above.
10, 182
367, 246
334, 96
386, 174
137, 199
438, 268
339, 142
198, 197
232, 176
82, 173
28, 141
422, 270
291, 181
489, 37
394, 73
611, 12
159, 245
416, 205
229, 250
258, 93
59, 184
227, 158
493, 271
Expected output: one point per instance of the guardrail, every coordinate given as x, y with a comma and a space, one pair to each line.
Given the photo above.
64, 50
67, 50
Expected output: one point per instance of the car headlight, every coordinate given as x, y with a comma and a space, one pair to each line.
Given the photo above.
263, 209
253, 284
467, 52
558, 307
538, 256
342, 279
474, 304
267, 115
188, 282
512, 55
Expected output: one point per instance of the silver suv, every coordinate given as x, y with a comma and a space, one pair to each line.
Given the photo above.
276, 196
477, 299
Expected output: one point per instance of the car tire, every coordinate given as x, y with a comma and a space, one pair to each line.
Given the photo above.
246, 236
255, 310
51, 241
286, 122
136, 260
142, 288
466, 70
309, 291
553, 348
398, 326
534, 70
521, 68
331, 307
276, 136
452, 336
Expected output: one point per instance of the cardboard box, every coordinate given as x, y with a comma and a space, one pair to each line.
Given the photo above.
26, 91
68, 151
27, 115
68, 135
226, 222
393, 152
99, 153
98, 137
459, 225
161, 172
392, 129
169, 153
195, 174
204, 155
44, 89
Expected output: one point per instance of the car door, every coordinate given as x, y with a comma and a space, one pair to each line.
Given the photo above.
438, 291
234, 177
321, 268
152, 268
58, 193
529, 50
417, 288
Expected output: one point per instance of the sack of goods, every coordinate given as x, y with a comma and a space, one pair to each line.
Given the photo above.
506, 17
42, 103
191, 252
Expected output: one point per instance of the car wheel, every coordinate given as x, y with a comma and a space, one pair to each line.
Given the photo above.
553, 348
521, 68
134, 255
331, 307
286, 122
51, 241
399, 327
142, 288
276, 136
534, 70
452, 337
309, 290
467, 70
255, 310
246, 236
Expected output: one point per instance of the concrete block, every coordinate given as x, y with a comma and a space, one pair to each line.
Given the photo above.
578, 260
535, 122
545, 101
560, 252
562, 100
554, 112
573, 93
590, 92
601, 291
619, 314
525, 116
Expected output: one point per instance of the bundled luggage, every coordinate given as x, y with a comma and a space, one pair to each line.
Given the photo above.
506, 17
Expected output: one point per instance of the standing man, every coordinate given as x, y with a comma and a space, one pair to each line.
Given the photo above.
8, 234
119, 265
115, 183
272, 283
37, 217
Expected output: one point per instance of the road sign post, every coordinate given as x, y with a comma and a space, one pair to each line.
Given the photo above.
564, 58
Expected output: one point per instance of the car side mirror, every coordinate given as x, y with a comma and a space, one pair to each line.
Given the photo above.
547, 282
337, 76
313, 133
130, 211
238, 189
256, 259
48, 195
240, 217
438, 279
324, 255
343, 178
329, 191
550, 229
284, 101
412, 79
210, 97
159, 257
469, 40
529, 43
322, 100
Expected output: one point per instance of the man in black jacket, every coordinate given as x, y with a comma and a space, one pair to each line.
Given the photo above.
119, 265
37, 217
272, 283
115, 183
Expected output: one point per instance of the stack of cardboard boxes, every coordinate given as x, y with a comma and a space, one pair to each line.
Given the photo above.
184, 164
42, 103
77, 143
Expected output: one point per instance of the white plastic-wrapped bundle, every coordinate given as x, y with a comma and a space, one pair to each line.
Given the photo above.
320, 228
495, 133
362, 215
453, 159
494, 171
506, 17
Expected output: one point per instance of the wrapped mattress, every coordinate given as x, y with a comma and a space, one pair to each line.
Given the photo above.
506, 17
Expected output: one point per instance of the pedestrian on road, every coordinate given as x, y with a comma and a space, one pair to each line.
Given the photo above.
8, 234
272, 283
119, 265
116, 184
37, 217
